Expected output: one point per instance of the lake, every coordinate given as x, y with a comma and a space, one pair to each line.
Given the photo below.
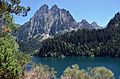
84, 62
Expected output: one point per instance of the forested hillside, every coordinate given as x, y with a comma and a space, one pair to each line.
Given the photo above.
83, 42
47, 22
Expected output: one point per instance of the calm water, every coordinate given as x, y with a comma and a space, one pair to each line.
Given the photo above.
60, 64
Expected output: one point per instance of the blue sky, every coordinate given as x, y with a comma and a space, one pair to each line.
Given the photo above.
100, 11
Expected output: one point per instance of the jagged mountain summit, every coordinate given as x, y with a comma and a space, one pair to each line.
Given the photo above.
114, 22
47, 22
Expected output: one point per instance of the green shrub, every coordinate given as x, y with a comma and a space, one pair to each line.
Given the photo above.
91, 73
40, 72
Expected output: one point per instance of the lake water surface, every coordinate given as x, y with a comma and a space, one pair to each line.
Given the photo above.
84, 62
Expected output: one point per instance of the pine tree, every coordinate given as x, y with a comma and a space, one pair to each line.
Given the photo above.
10, 64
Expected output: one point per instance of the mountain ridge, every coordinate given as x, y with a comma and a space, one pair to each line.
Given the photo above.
83, 42
46, 23
51, 21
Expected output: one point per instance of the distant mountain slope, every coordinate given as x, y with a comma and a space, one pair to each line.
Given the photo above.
48, 22
101, 42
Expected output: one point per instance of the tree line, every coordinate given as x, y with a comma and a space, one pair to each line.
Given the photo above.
83, 42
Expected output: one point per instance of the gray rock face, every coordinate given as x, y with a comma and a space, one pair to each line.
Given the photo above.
114, 22
96, 26
50, 22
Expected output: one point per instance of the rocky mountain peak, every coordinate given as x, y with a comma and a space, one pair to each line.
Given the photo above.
114, 22
55, 10
94, 24
49, 22
117, 15
44, 8
54, 7
84, 24
84, 21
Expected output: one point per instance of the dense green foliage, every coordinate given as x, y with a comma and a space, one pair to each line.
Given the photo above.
101, 42
8, 64
74, 72
11, 60
90, 73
